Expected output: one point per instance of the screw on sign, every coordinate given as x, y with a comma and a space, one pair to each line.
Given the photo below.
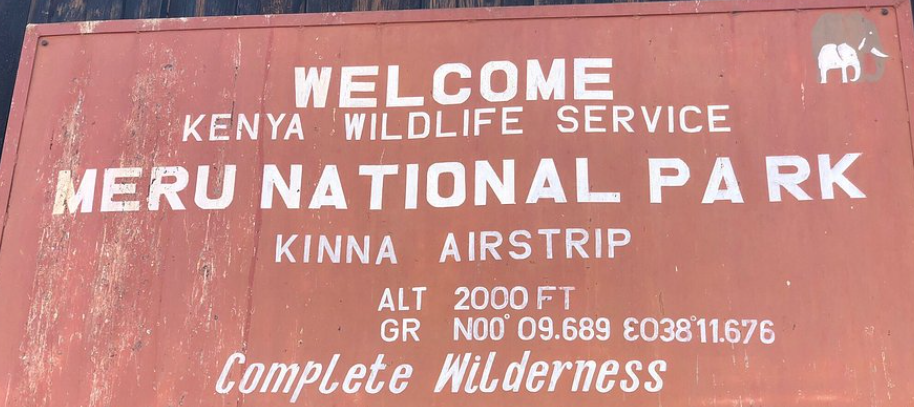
650, 204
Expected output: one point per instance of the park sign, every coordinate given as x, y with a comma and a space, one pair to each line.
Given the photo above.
683, 204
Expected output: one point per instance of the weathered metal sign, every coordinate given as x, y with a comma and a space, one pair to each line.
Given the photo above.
699, 203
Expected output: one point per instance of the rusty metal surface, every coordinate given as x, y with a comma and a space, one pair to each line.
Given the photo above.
147, 306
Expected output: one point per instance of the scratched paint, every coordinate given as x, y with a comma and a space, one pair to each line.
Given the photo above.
682, 195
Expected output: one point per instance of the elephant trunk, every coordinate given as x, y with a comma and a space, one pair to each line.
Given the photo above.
878, 58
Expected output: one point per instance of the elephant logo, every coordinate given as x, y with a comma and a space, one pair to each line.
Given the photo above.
845, 42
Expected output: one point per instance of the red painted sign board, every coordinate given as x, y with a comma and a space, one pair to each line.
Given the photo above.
694, 203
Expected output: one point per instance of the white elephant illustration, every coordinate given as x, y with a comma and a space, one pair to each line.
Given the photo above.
832, 39
838, 56
843, 56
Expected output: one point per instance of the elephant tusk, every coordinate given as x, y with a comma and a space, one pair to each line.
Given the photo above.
878, 53
863, 41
